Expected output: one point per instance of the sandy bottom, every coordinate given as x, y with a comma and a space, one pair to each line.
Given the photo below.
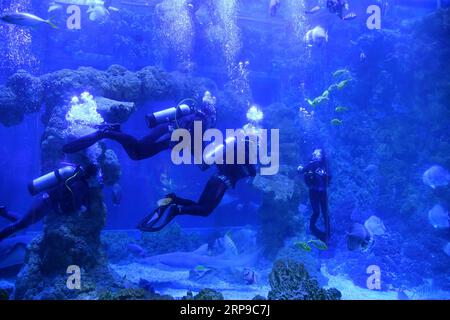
176, 282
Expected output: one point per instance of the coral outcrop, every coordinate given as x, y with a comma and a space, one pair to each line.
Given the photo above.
289, 280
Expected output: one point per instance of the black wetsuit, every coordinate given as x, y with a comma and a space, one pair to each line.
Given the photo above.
226, 177
156, 141
217, 185
60, 199
317, 177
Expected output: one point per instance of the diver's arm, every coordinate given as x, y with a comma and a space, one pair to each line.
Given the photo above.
10, 216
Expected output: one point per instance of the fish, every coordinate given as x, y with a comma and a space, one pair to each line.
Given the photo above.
341, 85
113, 9
54, 7
200, 268
336, 122
316, 36
190, 260
350, 16
438, 217
340, 109
13, 250
319, 99
341, 72
357, 236
375, 225
273, 7
318, 244
25, 20
313, 10
436, 176
303, 245
98, 13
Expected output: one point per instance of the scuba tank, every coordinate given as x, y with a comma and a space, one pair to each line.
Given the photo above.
169, 114
51, 179
209, 157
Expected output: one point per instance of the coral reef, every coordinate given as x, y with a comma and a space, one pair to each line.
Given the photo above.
132, 294
289, 280
74, 239
204, 294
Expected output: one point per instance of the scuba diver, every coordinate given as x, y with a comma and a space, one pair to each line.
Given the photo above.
317, 177
338, 7
161, 123
226, 177
66, 190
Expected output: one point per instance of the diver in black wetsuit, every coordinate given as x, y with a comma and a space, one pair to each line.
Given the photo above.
317, 177
226, 177
68, 195
156, 141
338, 7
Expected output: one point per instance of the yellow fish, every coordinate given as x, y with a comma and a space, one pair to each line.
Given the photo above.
318, 244
200, 268
304, 246
340, 72
342, 84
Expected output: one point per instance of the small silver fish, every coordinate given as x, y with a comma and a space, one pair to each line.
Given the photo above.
25, 20
54, 7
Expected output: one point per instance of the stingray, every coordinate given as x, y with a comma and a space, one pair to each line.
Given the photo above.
12, 251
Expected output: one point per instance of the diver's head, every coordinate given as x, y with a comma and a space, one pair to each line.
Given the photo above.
318, 154
207, 110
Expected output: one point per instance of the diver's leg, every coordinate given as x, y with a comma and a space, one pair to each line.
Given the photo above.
10, 216
38, 210
82, 143
315, 205
325, 213
138, 149
209, 200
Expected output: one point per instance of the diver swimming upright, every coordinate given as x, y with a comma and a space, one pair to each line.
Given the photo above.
161, 125
226, 177
317, 177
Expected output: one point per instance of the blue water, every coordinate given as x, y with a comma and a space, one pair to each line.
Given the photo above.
378, 94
